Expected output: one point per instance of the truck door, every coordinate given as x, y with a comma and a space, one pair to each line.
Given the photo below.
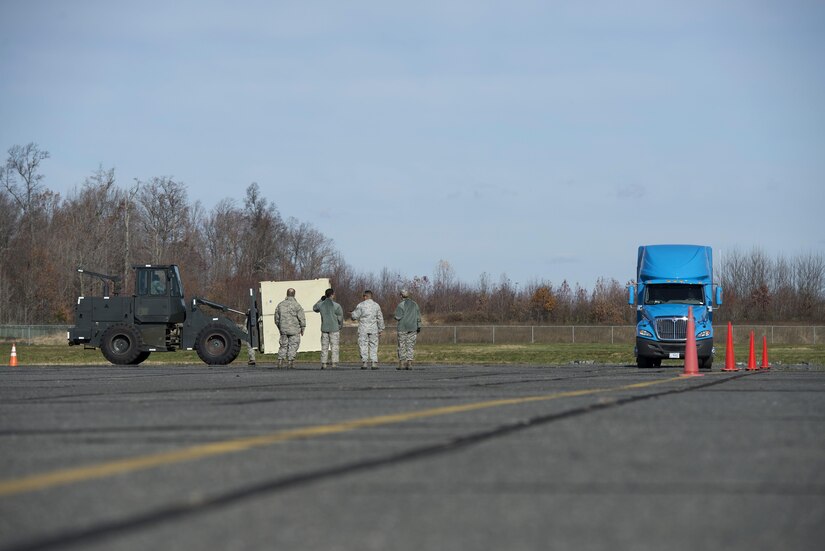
152, 303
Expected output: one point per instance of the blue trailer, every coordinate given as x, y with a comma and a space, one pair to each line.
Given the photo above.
669, 279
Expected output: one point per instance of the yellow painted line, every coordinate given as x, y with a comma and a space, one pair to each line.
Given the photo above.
139, 463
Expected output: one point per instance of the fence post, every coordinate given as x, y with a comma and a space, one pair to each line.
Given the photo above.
532, 334
494, 334
611, 335
574, 333
455, 334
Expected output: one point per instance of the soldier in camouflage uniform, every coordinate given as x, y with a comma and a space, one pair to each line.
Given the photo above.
409, 324
370, 326
332, 318
291, 322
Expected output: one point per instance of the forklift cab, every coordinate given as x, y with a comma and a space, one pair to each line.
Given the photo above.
159, 294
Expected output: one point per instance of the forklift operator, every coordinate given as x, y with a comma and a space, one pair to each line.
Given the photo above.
158, 286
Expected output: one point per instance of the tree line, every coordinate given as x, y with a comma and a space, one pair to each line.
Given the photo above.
223, 252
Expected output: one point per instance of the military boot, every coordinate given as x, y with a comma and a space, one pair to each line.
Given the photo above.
291, 364
408, 364
334, 366
323, 366
400, 365
280, 363
373, 365
364, 365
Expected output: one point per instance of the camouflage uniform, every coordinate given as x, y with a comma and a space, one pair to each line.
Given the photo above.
290, 320
370, 324
409, 323
332, 318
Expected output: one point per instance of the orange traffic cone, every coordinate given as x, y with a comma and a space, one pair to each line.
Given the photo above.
691, 355
752, 357
765, 364
730, 355
13, 359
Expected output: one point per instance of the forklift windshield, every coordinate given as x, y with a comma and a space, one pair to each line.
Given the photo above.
159, 281
151, 282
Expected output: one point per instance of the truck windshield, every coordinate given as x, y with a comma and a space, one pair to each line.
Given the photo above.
674, 294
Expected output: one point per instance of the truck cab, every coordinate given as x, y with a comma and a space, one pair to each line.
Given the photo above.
159, 295
669, 280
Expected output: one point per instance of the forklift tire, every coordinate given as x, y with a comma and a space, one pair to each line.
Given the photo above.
141, 357
121, 344
216, 345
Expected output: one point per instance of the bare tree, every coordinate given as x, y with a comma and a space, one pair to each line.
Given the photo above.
442, 298
809, 277
224, 229
128, 207
761, 289
502, 299
22, 180
164, 211
23, 162
309, 253
88, 231
8, 230
734, 280
264, 235
9, 220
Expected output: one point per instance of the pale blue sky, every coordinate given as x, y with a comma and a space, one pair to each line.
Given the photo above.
544, 140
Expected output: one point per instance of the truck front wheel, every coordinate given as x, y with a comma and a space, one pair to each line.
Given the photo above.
121, 344
216, 345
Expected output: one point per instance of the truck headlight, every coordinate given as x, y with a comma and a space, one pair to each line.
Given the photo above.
703, 334
645, 333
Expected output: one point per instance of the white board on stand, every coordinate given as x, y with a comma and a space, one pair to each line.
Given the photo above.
307, 293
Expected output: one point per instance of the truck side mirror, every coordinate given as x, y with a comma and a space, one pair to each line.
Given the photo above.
718, 296
631, 294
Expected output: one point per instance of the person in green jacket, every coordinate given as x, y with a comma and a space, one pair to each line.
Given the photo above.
332, 319
408, 316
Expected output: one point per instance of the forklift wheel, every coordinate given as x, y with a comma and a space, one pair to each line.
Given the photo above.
216, 345
121, 344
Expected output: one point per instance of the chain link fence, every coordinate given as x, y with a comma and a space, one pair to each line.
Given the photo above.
33, 334
500, 334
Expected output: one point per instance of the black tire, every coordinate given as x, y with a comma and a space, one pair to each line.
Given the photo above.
657, 362
216, 345
121, 344
142, 357
706, 363
644, 362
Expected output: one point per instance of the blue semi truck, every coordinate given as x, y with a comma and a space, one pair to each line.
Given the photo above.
669, 279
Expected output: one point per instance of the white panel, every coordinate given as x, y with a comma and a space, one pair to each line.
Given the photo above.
307, 293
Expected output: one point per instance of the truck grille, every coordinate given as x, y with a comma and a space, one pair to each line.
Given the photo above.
673, 329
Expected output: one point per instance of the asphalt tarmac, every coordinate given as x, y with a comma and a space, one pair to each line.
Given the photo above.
460, 457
